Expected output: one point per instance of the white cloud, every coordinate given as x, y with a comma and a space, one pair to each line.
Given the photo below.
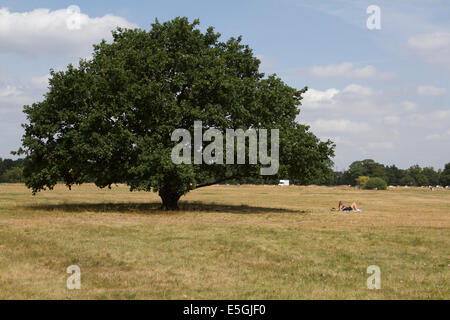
358, 90
433, 48
392, 120
42, 31
354, 97
385, 145
347, 70
14, 93
409, 105
266, 62
372, 123
316, 99
339, 140
430, 41
340, 125
441, 115
430, 120
431, 91
439, 136
40, 82
9, 91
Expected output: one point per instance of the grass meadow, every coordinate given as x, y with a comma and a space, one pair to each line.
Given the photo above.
226, 242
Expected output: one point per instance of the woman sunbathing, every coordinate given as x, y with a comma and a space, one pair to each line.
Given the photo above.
353, 207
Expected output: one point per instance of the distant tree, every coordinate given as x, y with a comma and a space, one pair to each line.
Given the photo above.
362, 180
338, 178
394, 175
110, 120
355, 170
379, 171
416, 172
8, 164
367, 167
423, 177
407, 180
432, 175
14, 175
422, 180
445, 176
375, 183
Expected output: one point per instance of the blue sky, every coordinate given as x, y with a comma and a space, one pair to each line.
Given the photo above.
381, 94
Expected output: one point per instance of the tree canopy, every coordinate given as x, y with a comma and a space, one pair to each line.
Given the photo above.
110, 119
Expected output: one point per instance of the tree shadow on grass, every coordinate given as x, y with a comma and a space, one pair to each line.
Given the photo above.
155, 207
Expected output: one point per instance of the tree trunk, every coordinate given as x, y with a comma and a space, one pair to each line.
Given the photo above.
169, 199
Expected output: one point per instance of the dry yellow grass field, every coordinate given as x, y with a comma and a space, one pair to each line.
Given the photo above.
227, 242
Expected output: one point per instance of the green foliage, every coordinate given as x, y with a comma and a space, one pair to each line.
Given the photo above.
416, 173
445, 176
431, 175
407, 181
362, 180
7, 165
13, 175
110, 120
422, 180
366, 167
414, 176
394, 175
375, 183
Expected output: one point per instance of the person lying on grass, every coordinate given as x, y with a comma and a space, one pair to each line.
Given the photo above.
353, 207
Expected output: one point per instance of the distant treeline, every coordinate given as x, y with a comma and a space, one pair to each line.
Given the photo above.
391, 175
11, 171
414, 176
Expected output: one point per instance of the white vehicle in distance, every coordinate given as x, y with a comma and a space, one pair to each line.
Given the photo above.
284, 183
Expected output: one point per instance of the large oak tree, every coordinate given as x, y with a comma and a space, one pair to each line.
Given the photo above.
110, 119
